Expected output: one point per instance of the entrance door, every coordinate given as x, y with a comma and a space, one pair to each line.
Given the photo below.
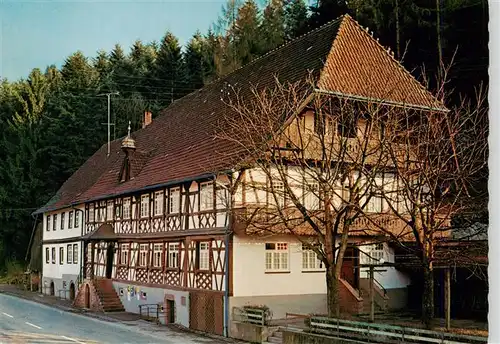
170, 314
52, 289
109, 260
72, 291
350, 266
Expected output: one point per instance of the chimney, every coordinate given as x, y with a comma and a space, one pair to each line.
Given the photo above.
148, 117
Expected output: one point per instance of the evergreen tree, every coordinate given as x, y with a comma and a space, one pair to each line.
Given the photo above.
326, 10
246, 35
296, 19
169, 72
272, 30
193, 59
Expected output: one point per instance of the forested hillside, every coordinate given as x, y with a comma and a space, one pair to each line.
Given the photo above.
52, 122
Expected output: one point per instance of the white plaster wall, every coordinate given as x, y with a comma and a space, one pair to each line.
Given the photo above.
57, 270
66, 232
391, 278
250, 278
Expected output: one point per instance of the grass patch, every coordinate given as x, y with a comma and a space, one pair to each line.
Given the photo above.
14, 273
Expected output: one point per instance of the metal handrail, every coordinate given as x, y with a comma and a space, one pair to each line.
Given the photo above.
380, 286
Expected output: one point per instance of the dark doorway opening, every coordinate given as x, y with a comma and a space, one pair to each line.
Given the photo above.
72, 291
350, 266
87, 296
52, 289
110, 252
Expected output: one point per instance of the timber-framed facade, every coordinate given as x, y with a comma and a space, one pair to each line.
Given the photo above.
159, 222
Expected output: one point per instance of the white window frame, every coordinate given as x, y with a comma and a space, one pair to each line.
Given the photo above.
109, 210
124, 254
173, 255
277, 257
311, 195
47, 255
204, 255
143, 255
278, 189
63, 218
48, 222
53, 255
310, 261
54, 222
61, 255
175, 201
77, 218
126, 208
70, 219
69, 253
91, 213
144, 210
158, 203
374, 253
157, 255
206, 196
75, 253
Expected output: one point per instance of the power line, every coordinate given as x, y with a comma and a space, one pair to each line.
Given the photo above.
109, 117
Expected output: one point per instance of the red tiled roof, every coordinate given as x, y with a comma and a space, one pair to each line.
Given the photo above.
180, 144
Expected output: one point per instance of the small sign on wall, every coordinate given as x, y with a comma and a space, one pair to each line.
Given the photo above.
120, 291
64, 284
144, 295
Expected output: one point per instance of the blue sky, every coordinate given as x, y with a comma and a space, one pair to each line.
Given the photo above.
39, 33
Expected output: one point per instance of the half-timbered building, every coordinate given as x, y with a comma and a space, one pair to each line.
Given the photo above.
159, 218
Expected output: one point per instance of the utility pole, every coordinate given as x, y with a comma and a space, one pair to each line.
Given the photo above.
109, 124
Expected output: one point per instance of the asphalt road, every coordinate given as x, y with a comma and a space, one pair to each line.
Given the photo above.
23, 321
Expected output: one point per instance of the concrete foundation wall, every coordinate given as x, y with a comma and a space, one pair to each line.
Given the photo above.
249, 332
132, 296
282, 304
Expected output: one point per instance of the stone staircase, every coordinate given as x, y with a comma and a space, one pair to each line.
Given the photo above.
276, 337
109, 299
380, 298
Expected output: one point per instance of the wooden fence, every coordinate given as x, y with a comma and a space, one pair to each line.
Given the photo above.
378, 333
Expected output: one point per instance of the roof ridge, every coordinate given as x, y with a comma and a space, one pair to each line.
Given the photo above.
399, 64
296, 39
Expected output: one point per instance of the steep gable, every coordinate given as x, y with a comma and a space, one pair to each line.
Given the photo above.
359, 67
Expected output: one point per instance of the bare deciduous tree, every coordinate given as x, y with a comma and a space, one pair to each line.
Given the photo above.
311, 161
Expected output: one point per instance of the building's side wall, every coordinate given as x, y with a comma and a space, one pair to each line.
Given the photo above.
62, 275
293, 290
132, 295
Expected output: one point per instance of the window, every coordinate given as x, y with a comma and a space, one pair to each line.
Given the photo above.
143, 254
62, 220
75, 253
53, 255
109, 211
206, 196
47, 255
144, 205
102, 211
311, 196
69, 252
157, 254
175, 195
173, 255
124, 254
347, 126
54, 222
203, 256
61, 255
91, 213
126, 208
77, 218
48, 223
310, 260
277, 257
158, 208
374, 254
278, 190
118, 211
70, 219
